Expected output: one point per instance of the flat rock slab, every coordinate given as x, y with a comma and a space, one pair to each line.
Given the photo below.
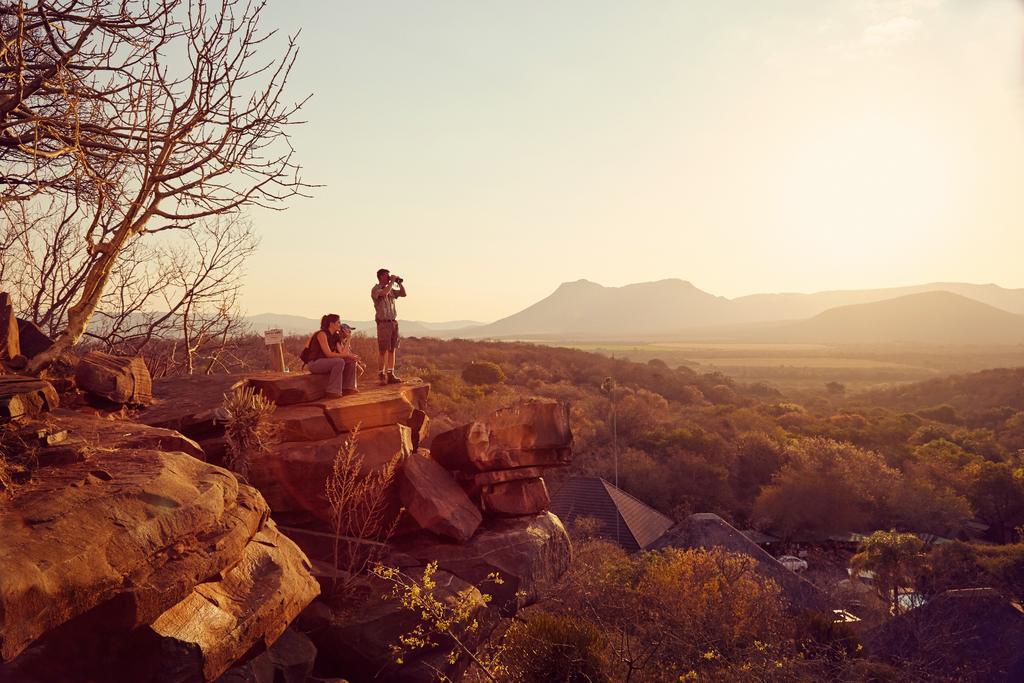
288, 388
515, 498
292, 476
377, 407
25, 397
530, 554
123, 536
433, 498
530, 433
191, 405
91, 432
250, 606
303, 423
120, 379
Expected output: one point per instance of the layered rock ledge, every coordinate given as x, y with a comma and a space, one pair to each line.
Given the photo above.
121, 549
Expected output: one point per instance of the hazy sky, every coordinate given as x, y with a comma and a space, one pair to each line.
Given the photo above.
489, 151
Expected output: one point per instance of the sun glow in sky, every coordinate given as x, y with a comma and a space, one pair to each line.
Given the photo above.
489, 151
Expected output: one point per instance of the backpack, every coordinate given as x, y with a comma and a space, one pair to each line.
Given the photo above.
307, 354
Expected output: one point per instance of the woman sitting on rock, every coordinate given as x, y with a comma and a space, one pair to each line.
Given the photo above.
327, 359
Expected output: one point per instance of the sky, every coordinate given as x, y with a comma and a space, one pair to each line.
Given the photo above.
489, 151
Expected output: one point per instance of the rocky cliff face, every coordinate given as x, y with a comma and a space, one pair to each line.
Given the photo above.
124, 554
128, 554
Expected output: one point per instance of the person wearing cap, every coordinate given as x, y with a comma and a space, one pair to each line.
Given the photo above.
353, 367
327, 357
384, 294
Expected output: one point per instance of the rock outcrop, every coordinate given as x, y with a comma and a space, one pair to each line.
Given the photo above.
529, 433
477, 510
124, 556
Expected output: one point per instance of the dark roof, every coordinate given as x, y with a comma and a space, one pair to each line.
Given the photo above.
968, 634
631, 523
708, 530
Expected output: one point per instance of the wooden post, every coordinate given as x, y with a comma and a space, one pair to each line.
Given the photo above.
274, 339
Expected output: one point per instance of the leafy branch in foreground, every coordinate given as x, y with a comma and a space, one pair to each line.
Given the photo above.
444, 618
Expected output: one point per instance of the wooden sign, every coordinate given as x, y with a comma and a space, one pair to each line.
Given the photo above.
275, 336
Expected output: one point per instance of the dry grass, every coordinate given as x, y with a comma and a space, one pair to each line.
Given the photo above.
361, 518
18, 461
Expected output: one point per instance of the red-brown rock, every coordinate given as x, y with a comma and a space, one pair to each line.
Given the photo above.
515, 498
377, 406
435, 501
249, 606
129, 533
531, 433
25, 397
288, 388
292, 476
192, 404
116, 378
92, 432
303, 423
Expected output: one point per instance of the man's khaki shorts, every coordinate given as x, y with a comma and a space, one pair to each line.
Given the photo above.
387, 335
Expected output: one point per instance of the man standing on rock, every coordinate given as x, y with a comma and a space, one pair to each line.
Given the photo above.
384, 294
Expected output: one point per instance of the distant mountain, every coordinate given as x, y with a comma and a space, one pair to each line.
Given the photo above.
764, 307
585, 309
675, 309
297, 324
927, 318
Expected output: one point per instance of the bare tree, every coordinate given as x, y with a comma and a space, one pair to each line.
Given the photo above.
64, 65
152, 115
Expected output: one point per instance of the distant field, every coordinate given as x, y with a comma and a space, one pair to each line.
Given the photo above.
807, 367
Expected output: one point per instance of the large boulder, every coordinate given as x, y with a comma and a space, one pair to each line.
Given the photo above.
377, 407
515, 498
116, 378
25, 397
433, 498
124, 536
292, 476
529, 553
249, 606
303, 423
535, 432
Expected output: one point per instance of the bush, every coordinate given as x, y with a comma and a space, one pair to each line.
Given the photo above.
555, 648
482, 373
